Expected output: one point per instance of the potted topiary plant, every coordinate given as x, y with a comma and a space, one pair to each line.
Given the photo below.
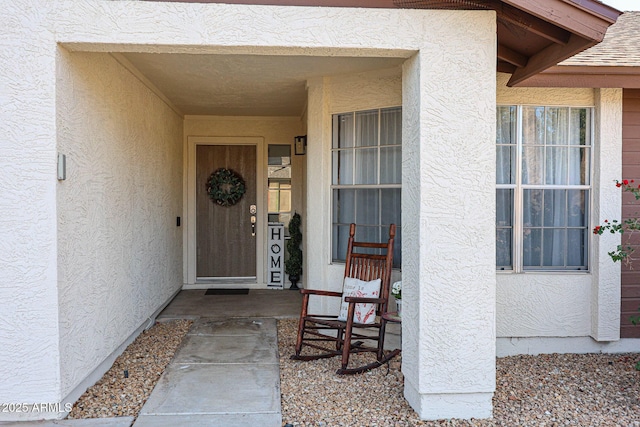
293, 265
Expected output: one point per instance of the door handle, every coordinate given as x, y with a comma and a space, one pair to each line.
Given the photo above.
253, 225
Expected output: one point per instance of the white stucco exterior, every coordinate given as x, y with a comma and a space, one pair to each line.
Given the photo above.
119, 249
581, 304
85, 262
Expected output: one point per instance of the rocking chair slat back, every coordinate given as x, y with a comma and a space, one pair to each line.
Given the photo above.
371, 266
365, 261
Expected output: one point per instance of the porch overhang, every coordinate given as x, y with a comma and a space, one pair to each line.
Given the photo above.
614, 63
532, 35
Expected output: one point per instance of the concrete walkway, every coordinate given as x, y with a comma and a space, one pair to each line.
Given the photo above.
225, 373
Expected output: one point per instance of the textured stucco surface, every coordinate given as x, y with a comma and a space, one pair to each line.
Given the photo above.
334, 95
119, 250
571, 304
607, 200
143, 215
448, 215
28, 284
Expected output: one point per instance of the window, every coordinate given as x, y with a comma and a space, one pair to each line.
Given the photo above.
279, 178
543, 176
367, 176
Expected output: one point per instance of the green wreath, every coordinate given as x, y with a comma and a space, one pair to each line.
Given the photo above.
225, 187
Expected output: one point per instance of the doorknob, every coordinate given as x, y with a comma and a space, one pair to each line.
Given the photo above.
253, 210
253, 225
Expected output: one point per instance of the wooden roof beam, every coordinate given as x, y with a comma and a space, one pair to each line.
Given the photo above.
531, 23
576, 16
549, 57
511, 56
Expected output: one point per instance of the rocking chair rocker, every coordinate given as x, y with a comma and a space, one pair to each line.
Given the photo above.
361, 312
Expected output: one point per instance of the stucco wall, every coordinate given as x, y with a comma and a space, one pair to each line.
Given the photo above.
272, 130
569, 304
119, 249
28, 274
362, 91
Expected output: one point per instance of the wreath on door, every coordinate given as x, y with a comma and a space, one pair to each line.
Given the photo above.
225, 187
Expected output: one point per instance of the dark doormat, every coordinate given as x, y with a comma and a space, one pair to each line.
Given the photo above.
227, 292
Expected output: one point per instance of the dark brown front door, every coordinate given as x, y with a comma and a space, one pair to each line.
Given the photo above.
226, 244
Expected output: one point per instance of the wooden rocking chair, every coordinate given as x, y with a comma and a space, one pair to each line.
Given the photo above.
317, 331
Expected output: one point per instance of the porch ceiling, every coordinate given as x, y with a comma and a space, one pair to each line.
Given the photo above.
243, 85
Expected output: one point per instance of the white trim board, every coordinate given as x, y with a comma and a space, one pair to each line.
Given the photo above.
563, 345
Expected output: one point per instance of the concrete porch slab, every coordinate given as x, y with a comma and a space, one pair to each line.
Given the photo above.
89, 422
258, 303
217, 420
235, 327
193, 389
228, 349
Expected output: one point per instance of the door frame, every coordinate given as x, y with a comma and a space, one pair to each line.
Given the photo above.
191, 243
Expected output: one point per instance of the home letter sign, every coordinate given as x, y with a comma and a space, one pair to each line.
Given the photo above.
275, 256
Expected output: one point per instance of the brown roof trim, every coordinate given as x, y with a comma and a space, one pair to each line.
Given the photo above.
587, 20
569, 26
587, 76
326, 3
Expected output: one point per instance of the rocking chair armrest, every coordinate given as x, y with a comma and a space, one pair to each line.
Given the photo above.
358, 300
319, 292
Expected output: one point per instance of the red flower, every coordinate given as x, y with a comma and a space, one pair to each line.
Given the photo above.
606, 220
618, 184
625, 181
596, 230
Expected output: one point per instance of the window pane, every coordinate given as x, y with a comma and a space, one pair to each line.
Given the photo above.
504, 248
344, 124
340, 241
342, 167
533, 125
367, 207
555, 208
554, 247
556, 170
579, 165
397, 245
390, 165
532, 244
506, 125
557, 125
578, 127
504, 207
369, 234
576, 248
577, 208
390, 207
366, 166
344, 206
391, 126
532, 165
532, 207
367, 128
505, 164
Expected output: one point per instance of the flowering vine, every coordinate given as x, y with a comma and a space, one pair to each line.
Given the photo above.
623, 251
626, 228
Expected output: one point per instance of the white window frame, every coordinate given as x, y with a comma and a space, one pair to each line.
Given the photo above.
517, 244
383, 233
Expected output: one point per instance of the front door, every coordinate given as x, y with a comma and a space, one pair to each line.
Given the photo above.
225, 234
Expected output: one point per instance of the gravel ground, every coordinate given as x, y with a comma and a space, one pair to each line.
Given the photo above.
145, 360
546, 390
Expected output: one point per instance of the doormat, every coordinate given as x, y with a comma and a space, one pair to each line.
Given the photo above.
227, 292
